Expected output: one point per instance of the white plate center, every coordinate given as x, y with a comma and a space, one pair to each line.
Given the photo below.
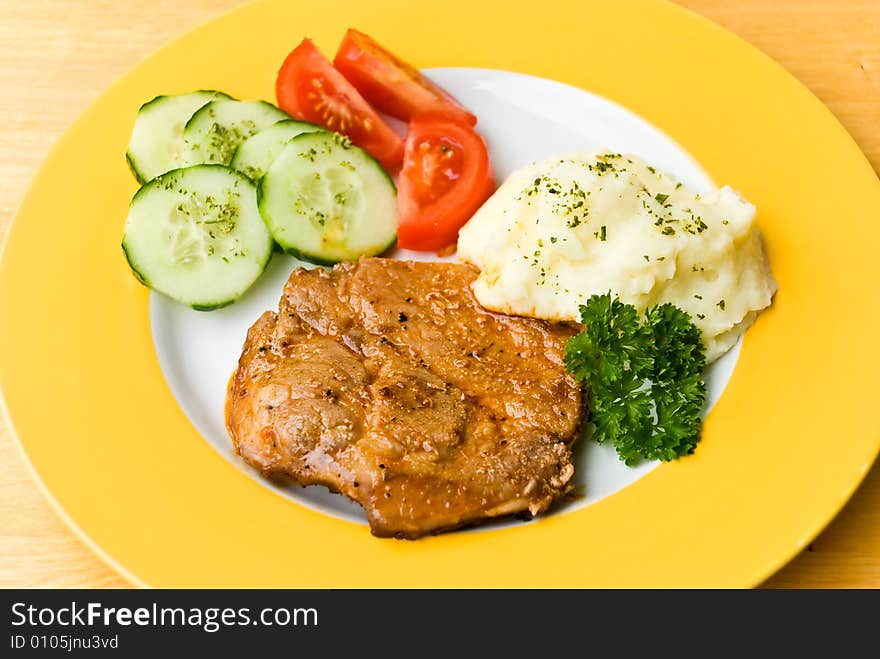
523, 119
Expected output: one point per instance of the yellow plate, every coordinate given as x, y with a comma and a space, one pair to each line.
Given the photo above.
790, 439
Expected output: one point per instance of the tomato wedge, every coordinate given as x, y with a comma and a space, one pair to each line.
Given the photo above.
392, 85
446, 177
309, 88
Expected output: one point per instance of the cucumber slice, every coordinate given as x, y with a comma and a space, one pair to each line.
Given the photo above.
157, 138
216, 130
325, 200
196, 236
253, 157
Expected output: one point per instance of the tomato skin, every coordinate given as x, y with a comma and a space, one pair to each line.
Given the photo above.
446, 177
310, 89
392, 85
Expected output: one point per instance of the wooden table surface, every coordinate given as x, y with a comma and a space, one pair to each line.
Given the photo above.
56, 56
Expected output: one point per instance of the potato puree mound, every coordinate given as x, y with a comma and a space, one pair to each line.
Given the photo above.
560, 230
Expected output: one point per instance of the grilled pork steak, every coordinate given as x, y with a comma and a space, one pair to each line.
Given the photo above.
386, 381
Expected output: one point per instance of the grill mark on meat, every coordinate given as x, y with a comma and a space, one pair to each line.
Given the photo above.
432, 415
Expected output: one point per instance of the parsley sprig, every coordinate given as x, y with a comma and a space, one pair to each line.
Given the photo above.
645, 379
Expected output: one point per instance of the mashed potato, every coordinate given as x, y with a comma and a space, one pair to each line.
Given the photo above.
560, 230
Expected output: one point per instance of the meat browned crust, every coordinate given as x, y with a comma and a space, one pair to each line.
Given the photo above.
386, 381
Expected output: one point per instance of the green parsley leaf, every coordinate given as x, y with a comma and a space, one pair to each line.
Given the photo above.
644, 378
661, 198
